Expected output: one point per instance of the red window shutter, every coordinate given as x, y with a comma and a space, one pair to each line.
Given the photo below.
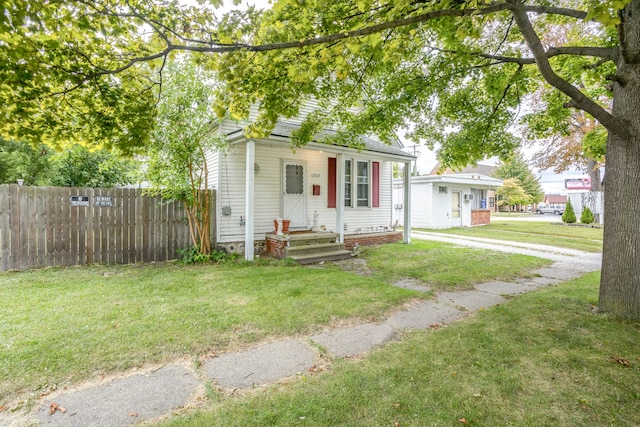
331, 183
375, 183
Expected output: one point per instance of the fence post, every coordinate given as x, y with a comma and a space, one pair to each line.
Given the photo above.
5, 228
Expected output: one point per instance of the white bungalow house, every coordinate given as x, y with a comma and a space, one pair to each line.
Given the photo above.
445, 201
333, 192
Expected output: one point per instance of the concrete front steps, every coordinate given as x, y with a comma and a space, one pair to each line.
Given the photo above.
309, 248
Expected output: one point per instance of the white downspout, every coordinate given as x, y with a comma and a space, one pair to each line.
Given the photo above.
340, 196
407, 202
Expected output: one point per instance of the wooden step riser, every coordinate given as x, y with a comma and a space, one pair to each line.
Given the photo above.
336, 256
313, 249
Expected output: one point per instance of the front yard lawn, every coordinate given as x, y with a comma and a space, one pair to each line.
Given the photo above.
64, 326
554, 234
543, 359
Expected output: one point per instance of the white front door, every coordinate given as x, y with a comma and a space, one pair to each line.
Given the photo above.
456, 209
294, 196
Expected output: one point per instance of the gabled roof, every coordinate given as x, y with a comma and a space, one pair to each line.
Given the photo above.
285, 130
555, 198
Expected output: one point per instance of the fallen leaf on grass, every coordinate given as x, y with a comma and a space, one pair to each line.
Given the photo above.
396, 405
620, 360
434, 326
463, 421
396, 424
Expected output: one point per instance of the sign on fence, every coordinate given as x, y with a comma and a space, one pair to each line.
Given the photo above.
60, 226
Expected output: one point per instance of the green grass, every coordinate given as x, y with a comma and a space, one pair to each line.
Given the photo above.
573, 237
543, 359
423, 260
62, 326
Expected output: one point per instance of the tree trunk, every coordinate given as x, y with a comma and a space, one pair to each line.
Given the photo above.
620, 277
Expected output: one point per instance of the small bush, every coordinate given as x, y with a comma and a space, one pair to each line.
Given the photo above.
587, 216
569, 216
193, 256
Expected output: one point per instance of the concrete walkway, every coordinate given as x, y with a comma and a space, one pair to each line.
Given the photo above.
156, 393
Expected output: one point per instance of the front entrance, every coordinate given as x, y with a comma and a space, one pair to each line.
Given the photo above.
294, 196
456, 209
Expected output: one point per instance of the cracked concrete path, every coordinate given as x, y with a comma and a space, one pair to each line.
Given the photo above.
147, 396
123, 401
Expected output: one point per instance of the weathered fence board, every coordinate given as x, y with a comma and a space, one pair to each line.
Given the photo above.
58, 226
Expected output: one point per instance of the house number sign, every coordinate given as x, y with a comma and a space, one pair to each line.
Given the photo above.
315, 175
79, 200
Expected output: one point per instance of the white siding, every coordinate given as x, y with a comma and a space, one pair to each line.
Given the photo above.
422, 205
231, 194
228, 126
213, 166
441, 213
268, 183
429, 207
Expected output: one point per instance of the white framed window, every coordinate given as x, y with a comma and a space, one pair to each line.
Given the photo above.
362, 174
348, 183
357, 183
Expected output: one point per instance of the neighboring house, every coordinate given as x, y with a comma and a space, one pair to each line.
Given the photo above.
445, 201
479, 169
327, 188
555, 199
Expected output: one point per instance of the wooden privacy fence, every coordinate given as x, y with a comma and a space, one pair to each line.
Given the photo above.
60, 226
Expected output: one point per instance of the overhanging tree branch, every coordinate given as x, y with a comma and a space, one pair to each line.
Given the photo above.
578, 99
203, 46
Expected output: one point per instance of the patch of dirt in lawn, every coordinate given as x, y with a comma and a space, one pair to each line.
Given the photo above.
413, 284
355, 265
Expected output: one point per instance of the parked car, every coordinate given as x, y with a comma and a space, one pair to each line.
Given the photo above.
554, 209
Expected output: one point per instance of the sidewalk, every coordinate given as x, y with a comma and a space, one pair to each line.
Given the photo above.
154, 393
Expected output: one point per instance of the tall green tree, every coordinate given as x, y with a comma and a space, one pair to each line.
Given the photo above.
454, 71
566, 137
185, 131
20, 160
79, 166
516, 167
76, 166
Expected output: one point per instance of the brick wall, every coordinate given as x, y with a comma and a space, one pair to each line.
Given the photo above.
480, 217
371, 239
275, 246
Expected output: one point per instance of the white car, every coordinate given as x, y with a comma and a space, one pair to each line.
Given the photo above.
554, 209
